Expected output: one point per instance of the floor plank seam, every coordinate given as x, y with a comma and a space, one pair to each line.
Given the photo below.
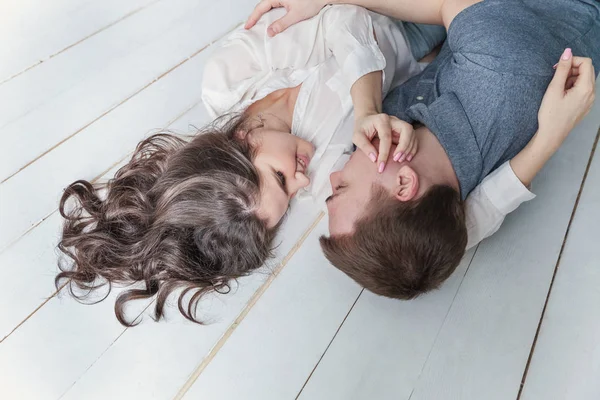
253, 300
94, 180
111, 109
329, 344
129, 14
104, 351
443, 322
535, 338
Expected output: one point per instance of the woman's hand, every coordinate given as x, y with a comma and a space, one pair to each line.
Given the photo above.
389, 130
297, 10
569, 98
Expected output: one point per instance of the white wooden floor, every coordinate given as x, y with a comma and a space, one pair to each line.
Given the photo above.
82, 81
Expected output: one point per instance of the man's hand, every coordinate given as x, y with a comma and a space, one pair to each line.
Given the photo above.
569, 98
297, 10
389, 130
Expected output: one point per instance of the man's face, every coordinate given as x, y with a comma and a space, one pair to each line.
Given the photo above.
352, 189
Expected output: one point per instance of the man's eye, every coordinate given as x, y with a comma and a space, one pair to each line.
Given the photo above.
281, 178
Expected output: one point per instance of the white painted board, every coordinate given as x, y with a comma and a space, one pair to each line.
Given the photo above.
566, 360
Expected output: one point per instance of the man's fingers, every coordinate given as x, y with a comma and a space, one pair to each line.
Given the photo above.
283, 23
260, 9
365, 145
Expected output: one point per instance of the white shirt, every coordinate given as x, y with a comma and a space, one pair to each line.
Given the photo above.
327, 54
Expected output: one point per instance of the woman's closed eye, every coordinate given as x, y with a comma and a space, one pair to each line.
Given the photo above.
281, 178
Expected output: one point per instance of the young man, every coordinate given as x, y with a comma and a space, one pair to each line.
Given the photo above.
402, 233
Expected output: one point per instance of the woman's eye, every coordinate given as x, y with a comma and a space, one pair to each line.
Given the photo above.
281, 178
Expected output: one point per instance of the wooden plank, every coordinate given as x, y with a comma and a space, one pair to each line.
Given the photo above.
566, 359
40, 29
273, 350
39, 186
484, 345
105, 70
161, 374
110, 139
383, 345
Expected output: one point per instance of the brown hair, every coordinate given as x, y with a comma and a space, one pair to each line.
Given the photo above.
178, 215
401, 250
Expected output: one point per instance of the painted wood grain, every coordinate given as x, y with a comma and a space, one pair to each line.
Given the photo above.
383, 345
273, 351
56, 100
35, 30
566, 361
483, 347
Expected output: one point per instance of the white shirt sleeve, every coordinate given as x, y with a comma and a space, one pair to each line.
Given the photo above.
349, 35
500, 193
248, 59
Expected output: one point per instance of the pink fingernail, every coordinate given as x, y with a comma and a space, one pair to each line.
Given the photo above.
402, 158
373, 157
397, 156
381, 167
555, 65
409, 159
567, 54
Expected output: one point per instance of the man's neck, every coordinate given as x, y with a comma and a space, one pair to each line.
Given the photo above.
432, 162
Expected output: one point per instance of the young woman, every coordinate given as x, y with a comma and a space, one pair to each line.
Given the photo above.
194, 215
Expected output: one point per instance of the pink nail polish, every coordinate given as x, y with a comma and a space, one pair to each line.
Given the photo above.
397, 156
409, 158
402, 158
555, 65
381, 167
567, 54
373, 157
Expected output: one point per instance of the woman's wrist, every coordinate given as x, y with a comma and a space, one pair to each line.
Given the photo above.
532, 158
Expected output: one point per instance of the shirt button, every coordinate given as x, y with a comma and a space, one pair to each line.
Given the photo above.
420, 98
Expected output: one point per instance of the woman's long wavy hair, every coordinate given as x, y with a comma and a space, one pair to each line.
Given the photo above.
178, 215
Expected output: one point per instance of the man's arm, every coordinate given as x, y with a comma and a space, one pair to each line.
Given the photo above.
436, 12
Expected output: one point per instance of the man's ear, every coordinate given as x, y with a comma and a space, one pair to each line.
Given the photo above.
407, 184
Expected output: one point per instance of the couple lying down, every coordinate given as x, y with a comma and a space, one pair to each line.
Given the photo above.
435, 167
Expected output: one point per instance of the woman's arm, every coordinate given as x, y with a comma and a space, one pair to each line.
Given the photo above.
568, 99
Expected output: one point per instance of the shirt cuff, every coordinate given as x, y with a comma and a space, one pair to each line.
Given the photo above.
361, 61
504, 189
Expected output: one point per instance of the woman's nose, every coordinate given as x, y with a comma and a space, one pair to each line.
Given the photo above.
300, 181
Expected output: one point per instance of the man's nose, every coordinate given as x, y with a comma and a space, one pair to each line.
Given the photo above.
334, 179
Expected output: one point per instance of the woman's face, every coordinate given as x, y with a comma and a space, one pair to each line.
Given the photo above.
282, 160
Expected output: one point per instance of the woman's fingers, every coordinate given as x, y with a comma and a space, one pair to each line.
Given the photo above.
405, 141
563, 69
363, 143
384, 132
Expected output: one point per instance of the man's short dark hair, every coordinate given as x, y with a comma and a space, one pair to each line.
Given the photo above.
403, 249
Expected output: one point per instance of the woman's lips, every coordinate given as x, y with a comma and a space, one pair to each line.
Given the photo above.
304, 161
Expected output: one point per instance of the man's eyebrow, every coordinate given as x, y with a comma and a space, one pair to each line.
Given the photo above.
281, 185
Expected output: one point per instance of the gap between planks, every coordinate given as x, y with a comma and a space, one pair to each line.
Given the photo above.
537, 332
49, 215
124, 17
253, 300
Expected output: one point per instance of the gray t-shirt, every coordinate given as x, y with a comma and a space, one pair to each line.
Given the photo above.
481, 95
